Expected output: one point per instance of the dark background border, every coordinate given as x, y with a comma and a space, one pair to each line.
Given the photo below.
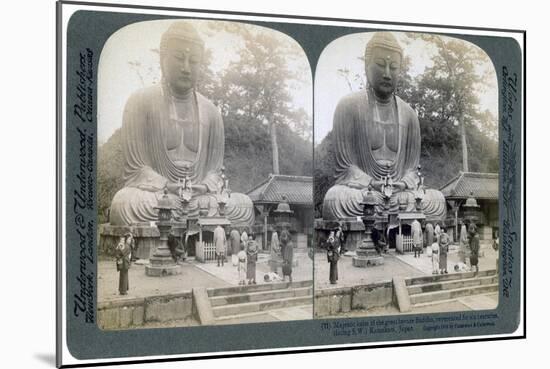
86, 341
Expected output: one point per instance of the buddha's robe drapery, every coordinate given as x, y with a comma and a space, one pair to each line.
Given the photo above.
356, 166
148, 165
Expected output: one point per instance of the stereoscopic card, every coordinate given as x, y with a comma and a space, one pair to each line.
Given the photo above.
242, 184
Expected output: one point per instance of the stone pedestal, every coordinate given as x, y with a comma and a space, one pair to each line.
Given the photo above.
367, 256
161, 263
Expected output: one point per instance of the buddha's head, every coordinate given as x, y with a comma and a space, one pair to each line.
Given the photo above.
181, 53
383, 58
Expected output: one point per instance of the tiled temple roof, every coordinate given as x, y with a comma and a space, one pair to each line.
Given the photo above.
481, 185
296, 189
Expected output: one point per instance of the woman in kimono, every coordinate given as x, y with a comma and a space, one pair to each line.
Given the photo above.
463, 244
443, 251
435, 257
288, 255
123, 262
241, 266
235, 239
251, 258
333, 254
274, 251
474, 246
429, 238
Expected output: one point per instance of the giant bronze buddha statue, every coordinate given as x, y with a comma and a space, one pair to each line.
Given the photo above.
172, 135
377, 142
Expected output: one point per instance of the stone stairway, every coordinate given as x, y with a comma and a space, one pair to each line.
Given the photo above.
435, 289
232, 303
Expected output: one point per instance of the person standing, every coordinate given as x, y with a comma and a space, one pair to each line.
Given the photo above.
235, 239
416, 231
437, 232
123, 262
274, 251
251, 259
429, 235
474, 246
288, 255
220, 243
333, 254
379, 245
244, 239
435, 257
443, 251
341, 238
463, 244
241, 267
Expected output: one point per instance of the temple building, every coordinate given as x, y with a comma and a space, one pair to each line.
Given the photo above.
483, 187
297, 191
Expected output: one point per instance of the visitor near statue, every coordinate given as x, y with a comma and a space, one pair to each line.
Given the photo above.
377, 143
288, 254
443, 251
241, 268
474, 246
435, 257
220, 243
437, 232
251, 259
173, 137
416, 231
333, 254
123, 254
463, 244
429, 235
274, 251
235, 239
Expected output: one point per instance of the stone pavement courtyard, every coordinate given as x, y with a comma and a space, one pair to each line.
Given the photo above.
194, 274
395, 264
404, 265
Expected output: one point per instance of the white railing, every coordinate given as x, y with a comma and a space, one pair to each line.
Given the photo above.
206, 251
404, 243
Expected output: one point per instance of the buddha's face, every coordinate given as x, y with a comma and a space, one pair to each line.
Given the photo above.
181, 65
383, 70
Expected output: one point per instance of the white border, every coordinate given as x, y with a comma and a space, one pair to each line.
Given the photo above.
69, 9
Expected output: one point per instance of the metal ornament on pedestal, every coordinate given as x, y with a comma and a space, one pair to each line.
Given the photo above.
161, 263
283, 213
366, 253
471, 210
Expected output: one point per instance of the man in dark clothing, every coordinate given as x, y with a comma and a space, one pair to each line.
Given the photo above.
333, 254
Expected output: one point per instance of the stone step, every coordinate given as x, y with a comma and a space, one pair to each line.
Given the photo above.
452, 294
450, 285
223, 291
260, 306
230, 319
259, 296
448, 277
441, 302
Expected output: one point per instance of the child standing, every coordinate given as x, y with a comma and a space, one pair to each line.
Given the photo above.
435, 258
241, 267
251, 258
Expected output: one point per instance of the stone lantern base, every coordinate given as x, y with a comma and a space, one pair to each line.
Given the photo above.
161, 263
367, 256
162, 269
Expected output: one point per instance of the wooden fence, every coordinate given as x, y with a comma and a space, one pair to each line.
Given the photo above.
206, 251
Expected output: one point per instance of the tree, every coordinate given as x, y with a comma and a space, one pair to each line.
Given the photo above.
449, 89
257, 86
